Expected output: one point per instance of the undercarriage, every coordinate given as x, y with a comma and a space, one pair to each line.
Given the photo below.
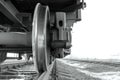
38, 28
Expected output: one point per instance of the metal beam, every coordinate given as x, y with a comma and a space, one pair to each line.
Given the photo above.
9, 10
15, 39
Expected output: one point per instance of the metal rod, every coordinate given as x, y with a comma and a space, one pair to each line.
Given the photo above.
16, 49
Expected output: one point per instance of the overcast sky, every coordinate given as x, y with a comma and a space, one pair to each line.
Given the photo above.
98, 34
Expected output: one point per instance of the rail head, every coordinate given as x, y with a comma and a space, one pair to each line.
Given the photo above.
47, 74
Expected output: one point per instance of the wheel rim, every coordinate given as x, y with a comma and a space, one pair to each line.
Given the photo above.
39, 38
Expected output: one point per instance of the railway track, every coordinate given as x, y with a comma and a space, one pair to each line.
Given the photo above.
22, 70
17, 69
13, 65
50, 73
60, 69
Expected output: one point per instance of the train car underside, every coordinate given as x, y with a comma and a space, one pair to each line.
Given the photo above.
38, 28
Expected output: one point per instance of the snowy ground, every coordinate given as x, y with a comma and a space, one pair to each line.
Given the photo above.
93, 71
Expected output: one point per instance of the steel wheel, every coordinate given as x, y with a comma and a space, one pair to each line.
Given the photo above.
40, 38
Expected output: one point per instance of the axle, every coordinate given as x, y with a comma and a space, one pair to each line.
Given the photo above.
25, 39
15, 39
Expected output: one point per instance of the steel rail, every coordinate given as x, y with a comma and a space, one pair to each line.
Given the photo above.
47, 74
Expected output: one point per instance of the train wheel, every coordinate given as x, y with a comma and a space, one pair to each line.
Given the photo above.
41, 52
3, 56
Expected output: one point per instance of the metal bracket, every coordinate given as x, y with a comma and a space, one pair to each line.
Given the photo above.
61, 24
